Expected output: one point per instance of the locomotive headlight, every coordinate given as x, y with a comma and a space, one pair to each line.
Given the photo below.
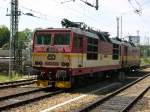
42, 73
49, 72
65, 64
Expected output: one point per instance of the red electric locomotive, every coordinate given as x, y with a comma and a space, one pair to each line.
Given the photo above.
61, 55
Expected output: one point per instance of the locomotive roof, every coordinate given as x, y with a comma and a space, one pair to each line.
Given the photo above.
115, 41
91, 33
83, 32
119, 41
76, 30
128, 44
96, 35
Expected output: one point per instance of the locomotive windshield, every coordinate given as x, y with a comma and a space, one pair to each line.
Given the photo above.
61, 39
43, 39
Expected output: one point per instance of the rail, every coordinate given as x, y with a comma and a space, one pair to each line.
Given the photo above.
16, 83
26, 101
100, 101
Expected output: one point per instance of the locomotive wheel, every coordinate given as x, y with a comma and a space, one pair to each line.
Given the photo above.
121, 76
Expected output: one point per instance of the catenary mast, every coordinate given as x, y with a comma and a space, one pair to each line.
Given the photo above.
14, 51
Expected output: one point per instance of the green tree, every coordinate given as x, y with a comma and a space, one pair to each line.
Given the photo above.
4, 35
24, 37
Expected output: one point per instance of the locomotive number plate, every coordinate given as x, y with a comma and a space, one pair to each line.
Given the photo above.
51, 57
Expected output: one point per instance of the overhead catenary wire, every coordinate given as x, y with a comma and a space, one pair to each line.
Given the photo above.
46, 17
141, 19
138, 3
41, 14
33, 13
94, 16
30, 14
143, 24
79, 12
95, 19
86, 2
76, 11
36, 14
137, 10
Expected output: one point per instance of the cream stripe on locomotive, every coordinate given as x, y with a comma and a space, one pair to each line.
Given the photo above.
72, 60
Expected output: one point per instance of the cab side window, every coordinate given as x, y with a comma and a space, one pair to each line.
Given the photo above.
77, 41
92, 49
115, 52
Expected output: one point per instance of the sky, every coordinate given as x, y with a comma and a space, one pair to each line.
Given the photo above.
49, 13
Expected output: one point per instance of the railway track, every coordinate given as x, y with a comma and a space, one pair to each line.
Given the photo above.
15, 100
85, 99
143, 104
76, 99
60, 98
121, 100
16, 83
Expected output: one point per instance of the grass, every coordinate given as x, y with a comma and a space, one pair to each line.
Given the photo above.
5, 78
145, 61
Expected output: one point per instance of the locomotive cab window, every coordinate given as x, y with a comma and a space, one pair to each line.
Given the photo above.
61, 39
43, 39
92, 49
115, 52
